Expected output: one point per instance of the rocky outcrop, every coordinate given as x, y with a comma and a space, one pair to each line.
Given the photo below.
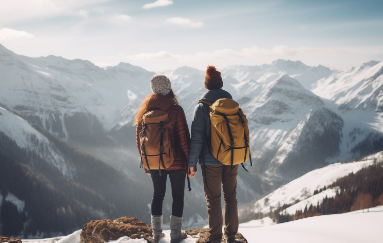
9, 240
100, 231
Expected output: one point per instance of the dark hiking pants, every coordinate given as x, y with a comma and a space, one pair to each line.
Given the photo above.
177, 182
217, 175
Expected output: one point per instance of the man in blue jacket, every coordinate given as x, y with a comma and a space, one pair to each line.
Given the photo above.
214, 173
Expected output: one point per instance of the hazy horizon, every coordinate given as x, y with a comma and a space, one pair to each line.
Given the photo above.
165, 34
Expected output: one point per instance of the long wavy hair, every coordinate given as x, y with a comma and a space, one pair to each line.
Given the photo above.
148, 101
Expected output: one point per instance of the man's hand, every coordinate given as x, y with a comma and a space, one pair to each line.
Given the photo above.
146, 171
192, 171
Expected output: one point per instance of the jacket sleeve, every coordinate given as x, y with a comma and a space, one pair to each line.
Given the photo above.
182, 131
138, 130
198, 134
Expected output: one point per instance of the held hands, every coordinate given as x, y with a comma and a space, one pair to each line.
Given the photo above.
192, 171
146, 171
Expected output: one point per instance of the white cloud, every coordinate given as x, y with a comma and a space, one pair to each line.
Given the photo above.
158, 3
16, 10
124, 17
83, 13
10, 34
162, 55
185, 22
332, 57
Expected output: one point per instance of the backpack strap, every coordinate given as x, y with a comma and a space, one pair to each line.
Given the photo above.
143, 151
174, 104
206, 102
231, 141
246, 141
206, 143
161, 148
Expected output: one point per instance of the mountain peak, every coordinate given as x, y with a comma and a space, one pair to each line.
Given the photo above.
3, 49
370, 63
124, 66
187, 70
288, 66
287, 63
288, 81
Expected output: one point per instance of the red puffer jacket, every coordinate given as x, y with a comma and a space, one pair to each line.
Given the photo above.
179, 134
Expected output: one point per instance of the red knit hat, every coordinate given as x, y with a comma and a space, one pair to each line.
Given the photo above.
213, 78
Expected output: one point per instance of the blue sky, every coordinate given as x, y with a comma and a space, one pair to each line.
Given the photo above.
166, 34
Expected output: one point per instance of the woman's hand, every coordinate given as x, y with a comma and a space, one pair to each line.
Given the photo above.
147, 171
192, 171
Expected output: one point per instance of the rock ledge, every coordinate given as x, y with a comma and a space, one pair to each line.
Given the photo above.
100, 231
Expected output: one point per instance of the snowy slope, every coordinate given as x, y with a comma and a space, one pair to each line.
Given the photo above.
354, 227
303, 187
29, 138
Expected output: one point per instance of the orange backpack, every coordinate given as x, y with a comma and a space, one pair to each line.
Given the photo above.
157, 152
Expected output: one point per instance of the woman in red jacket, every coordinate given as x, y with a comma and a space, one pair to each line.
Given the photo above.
163, 98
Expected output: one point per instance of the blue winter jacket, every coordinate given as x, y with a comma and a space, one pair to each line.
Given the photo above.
200, 129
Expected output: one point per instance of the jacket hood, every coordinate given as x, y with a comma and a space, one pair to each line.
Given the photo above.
215, 94
162, 103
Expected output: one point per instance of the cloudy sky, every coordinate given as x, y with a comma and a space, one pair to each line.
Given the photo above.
166, 34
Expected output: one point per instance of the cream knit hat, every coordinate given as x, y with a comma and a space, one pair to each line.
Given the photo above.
160, 84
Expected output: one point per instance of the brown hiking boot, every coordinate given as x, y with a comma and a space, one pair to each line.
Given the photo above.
155, 239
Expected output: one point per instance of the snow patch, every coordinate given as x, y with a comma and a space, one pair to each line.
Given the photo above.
314, 200
257, 223
45, 73
20, 204
72, 238
126, 239
353, 227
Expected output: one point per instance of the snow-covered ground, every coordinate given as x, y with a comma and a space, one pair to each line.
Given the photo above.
353, 227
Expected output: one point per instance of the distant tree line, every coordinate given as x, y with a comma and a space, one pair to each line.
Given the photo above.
361, 190
356, 191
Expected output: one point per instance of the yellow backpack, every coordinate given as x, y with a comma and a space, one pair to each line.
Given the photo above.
229, 140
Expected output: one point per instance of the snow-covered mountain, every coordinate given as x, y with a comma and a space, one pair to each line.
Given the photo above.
356, 95
73, 99
300, 117
94, 107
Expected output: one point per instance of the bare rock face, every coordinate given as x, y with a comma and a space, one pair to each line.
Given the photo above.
100, 231
202, 235
9, 240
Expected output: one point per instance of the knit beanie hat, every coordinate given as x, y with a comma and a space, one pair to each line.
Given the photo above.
213, 78
160, 84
